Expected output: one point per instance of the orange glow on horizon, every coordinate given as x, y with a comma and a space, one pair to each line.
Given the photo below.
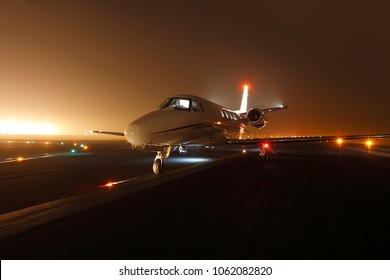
14, 127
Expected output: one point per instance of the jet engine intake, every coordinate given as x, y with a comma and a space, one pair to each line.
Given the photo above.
256, 117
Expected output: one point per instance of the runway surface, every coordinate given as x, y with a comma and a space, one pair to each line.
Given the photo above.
307, 201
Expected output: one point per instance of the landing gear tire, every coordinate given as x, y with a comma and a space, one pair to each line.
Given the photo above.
158, 166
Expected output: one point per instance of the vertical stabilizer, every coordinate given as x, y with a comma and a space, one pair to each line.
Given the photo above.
244, 101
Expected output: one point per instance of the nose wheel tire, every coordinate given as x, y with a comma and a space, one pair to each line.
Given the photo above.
158, 166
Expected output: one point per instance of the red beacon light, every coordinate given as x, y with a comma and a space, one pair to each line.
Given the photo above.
264, 149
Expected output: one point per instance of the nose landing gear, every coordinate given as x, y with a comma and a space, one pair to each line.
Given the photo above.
158, 164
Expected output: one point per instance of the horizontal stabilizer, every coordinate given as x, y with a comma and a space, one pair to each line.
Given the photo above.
269, 110
109, 132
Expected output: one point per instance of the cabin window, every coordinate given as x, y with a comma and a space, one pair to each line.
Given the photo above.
176, 104
194, 106
165, 104
201, 109
183, 104
226, 114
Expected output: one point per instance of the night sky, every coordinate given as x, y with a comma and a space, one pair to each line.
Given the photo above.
83, 65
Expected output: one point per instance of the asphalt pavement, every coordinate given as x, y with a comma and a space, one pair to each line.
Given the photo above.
307, 201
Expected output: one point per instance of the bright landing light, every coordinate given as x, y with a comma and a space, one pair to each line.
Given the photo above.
20, 127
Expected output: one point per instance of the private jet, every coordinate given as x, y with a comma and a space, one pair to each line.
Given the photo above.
187, 120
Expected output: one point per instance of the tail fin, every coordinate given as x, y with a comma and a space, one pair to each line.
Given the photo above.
244, 101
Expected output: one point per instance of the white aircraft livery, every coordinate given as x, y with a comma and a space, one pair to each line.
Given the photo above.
187, 120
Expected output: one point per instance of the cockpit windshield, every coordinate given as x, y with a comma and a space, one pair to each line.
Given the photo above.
178, 103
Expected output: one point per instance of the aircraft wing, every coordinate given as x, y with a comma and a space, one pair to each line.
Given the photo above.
109, 132
302, 139
269, 110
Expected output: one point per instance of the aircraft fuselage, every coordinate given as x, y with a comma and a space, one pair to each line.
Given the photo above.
183, 120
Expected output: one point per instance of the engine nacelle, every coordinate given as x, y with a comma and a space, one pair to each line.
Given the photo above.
256, 117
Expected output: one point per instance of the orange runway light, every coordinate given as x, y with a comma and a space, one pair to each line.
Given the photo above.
111, 184
339, 141
85, 147
20, 159
369, 143
244, 151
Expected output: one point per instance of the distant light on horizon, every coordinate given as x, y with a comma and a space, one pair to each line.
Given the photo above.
25, 127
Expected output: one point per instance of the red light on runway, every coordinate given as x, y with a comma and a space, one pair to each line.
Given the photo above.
265, 145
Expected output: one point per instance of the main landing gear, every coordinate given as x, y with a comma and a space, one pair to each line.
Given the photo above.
158, 164
263, 153
182, 150
265, 149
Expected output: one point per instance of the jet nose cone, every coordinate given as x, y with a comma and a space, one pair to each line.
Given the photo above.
131, 134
